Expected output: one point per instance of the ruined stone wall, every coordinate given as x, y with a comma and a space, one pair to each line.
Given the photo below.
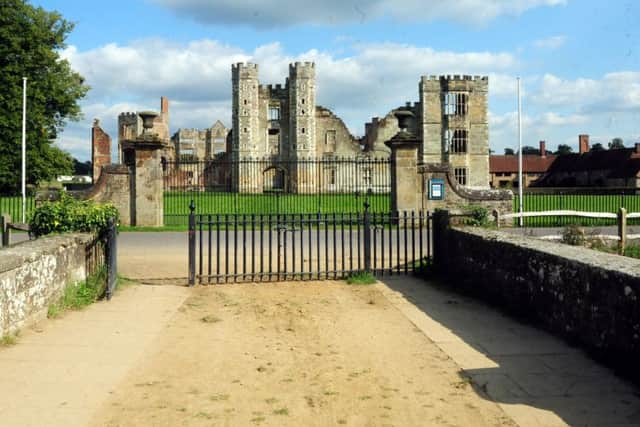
113, 186
33, 275
100, 149
588, 297
273, 137
437, 123
333, 136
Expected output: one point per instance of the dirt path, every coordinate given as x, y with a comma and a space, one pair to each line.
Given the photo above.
302, 354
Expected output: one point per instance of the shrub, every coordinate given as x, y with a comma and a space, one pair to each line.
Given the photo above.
71, 215
478, 216
573, 235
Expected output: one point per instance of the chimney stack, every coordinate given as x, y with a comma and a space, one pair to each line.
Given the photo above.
543, 149
583, 143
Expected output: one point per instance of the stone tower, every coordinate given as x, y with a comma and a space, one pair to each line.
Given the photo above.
245, 119
454, 127
302, 125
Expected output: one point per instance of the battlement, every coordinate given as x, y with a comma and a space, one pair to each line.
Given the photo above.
302, 69
271, 88
244, 66
243, 70
128, 116
455, 77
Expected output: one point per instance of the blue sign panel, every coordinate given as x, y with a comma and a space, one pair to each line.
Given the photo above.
436, 189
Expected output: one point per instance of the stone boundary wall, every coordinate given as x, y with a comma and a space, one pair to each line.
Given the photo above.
589, 298
34, 273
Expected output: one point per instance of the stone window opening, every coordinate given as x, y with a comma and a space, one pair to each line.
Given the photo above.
246, 130
303, 112
456, 104
366, 177
302, 130
460, 175
302, 101
458, 141
245, 102
274, 112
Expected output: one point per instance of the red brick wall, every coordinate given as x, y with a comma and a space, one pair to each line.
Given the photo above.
100, 149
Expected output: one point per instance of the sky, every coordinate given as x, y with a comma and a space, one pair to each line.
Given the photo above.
578, 60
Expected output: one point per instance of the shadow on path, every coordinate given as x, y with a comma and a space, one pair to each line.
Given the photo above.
536, 378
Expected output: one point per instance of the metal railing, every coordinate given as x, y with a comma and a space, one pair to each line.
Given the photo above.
313, 246
269, 186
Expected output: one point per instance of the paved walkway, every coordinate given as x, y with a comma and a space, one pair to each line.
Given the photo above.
61, 373
536, 379
62, 370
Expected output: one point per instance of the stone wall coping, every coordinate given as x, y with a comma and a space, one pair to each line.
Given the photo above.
12, 257
464, 192
606, 261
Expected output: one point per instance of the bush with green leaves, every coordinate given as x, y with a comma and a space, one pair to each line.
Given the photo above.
573, 235
71, 215
478, 216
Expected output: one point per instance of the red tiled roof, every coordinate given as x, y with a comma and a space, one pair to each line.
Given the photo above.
530, 163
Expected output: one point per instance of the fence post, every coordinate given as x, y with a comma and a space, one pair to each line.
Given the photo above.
367, 237
192, 243
622, 229
5, 230
112, 257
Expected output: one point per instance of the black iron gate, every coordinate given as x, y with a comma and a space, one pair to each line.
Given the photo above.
227, 248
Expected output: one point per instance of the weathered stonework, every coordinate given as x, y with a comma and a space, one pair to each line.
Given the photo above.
33, 275
113, 186
100, 149
586, 296
448, 106
410, 182
283, 122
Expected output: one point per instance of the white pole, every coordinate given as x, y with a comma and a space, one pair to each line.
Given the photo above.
520, 182
24, 148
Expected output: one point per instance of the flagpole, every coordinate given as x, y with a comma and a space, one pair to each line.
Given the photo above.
24, 148
520, 182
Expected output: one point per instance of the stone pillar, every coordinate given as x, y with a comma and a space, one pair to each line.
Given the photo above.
100, 149
406, 182
146, 175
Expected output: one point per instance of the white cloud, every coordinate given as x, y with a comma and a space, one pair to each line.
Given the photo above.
550, 43
614, 92
268, 14
196, 77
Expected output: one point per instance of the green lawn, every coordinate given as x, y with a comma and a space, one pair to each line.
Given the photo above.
176, 204
576, 202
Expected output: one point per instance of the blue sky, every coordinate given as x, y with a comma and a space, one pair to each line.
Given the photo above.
579, 60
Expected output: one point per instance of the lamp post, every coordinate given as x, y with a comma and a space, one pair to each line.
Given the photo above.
520, 183
24, 148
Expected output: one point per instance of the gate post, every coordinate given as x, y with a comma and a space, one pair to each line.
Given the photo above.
192, 243
367, 237
111, 257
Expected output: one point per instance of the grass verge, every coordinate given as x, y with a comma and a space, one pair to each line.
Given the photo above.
79, 295
361, 278
9, 339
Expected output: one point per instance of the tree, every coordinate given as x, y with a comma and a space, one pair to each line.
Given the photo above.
529, 150
30, 43
616, 144
564, 149
597, 147
82, 168
509, 152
